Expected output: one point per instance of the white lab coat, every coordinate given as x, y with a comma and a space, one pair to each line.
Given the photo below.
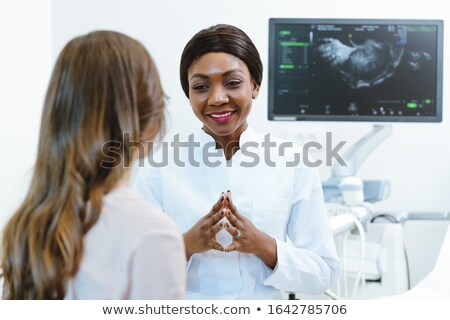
281, 201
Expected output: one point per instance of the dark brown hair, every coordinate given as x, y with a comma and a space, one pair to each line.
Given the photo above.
103, 85
220, 38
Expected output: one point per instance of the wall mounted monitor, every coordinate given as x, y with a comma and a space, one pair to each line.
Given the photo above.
355, 70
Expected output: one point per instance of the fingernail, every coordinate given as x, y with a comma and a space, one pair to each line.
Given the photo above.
221, 212
220, 224
221, 248
229, 191
221, 198
228, 225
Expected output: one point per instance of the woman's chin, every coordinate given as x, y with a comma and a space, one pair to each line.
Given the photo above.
219, 129
224, 129
220, 132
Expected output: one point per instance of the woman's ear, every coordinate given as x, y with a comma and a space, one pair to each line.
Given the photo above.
255, 89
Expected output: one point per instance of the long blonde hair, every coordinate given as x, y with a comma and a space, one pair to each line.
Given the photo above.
104, 84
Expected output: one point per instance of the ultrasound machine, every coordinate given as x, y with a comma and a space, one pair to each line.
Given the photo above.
359, 70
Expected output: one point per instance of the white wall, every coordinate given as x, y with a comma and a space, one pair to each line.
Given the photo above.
25, 63
415, 158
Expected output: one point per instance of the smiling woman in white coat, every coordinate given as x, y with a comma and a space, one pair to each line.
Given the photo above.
270, 233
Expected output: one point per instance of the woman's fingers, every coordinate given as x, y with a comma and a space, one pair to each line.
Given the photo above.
231, 247
235, 233
234, 221
211, 224
213, 230
230, 204
217, 206
217, 217
217, 246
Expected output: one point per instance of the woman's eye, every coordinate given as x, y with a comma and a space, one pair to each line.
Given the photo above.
233, 83
199, 87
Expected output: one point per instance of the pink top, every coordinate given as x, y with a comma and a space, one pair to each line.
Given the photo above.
134, 251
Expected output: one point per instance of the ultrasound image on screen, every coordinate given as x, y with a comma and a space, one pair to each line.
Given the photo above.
359, 65
354, 70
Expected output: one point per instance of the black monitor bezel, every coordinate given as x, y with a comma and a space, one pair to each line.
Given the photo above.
439, 86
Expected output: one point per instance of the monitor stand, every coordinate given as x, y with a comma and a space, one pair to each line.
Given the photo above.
374, 190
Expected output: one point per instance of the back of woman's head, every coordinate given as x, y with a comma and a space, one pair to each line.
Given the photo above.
104, 84
220, 38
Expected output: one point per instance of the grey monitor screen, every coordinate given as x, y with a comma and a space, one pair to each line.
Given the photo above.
355, 70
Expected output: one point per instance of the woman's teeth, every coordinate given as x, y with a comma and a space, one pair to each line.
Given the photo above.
221, 115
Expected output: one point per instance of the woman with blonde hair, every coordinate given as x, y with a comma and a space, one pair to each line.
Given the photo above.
81, 232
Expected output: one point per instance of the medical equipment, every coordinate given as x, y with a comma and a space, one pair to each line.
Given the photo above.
358, 70
372, 254
373, 190
376, 70
352, 191
386, 265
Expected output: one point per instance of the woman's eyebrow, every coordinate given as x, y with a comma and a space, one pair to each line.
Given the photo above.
231, 71
199, 75
204, 76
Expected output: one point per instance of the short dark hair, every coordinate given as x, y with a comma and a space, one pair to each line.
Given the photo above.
220, 38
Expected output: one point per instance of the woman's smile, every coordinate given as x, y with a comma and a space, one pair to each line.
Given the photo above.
222, 117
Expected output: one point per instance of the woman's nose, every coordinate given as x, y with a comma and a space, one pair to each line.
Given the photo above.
218, 97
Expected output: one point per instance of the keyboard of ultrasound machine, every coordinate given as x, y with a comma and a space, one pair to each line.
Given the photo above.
335, 209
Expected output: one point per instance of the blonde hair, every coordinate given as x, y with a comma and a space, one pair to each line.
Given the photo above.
103, 85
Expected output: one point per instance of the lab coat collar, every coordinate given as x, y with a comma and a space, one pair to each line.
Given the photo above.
249, 135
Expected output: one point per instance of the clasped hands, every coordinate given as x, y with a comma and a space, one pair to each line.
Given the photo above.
246, 237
